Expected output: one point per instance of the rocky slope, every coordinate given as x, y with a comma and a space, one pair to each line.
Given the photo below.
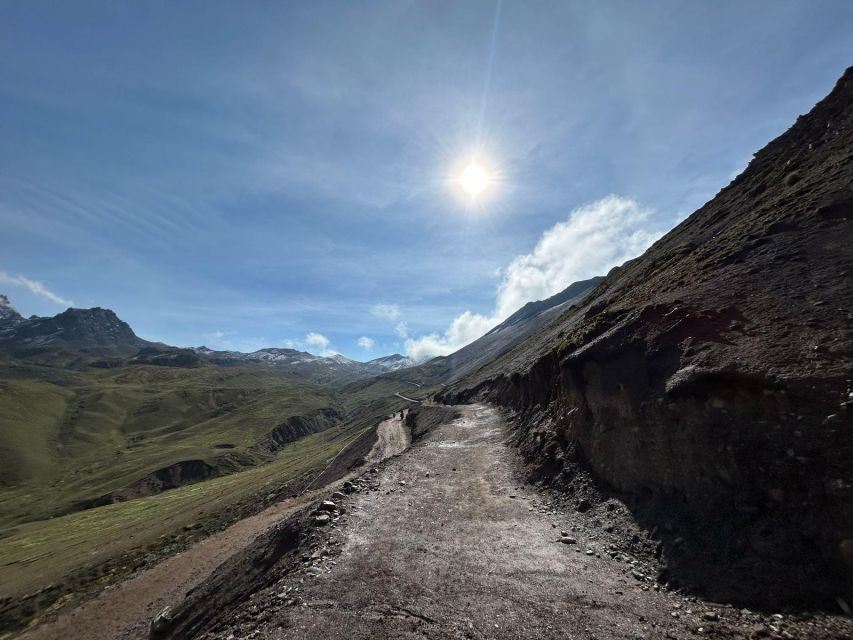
96, 330
509, 333
8, 314
710, 378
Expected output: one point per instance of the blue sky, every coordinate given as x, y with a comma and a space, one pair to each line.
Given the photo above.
247, 174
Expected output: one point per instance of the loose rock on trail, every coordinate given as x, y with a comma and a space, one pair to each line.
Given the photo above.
449, 544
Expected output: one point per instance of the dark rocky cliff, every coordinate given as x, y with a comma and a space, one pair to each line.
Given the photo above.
297, 427
711, 377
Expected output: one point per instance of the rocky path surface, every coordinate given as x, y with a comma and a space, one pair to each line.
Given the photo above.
450, 546
392, 438
444, 541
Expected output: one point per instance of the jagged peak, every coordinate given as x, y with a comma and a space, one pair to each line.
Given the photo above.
7, 311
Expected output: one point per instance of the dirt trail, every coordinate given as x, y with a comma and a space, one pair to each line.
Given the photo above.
451, 547
392, 439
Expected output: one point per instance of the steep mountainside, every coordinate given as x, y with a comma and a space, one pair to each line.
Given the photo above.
524, 322
711, 377
435, 374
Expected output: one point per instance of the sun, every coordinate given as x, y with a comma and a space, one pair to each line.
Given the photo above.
474, 178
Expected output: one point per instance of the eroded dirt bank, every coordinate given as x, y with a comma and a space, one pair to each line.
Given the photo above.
444, 542
711, 378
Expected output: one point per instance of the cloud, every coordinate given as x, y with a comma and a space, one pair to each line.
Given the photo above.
366, 343
593, 239
321, 344
228, 340
464, 329
36, 287
388, 311
402, 329
392, 312
317, 340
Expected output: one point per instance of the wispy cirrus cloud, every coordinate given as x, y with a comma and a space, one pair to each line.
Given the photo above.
35, 287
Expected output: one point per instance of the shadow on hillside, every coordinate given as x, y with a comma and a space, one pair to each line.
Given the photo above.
757, 559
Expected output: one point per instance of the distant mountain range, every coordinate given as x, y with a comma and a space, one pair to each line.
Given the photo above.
337, 368
98, 337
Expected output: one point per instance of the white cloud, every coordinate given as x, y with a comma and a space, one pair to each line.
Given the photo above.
392, 312
317, 340
464, 329
388, 311
321, 344
594, 238
232, 341
366, 343
35, 287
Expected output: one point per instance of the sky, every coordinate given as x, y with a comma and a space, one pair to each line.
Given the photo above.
258, 174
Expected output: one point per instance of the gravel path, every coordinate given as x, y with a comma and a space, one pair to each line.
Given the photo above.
392, 439
452, 547
441, 542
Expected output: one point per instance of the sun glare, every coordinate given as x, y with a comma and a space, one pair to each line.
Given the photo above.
474, 179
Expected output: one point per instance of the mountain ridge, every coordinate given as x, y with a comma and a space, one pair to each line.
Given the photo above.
112, 341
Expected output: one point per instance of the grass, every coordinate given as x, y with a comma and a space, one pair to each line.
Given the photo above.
94, 431
46, 552
70, 435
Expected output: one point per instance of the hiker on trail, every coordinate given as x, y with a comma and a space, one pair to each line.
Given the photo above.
402, 411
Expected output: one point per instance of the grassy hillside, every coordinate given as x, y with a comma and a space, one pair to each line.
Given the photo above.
45, 563
69, 437
72, 436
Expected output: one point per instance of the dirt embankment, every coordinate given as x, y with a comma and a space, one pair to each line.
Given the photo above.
446, 542
424, 418
710, 378
124, 611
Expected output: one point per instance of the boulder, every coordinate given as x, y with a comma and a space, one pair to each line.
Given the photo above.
162, 622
